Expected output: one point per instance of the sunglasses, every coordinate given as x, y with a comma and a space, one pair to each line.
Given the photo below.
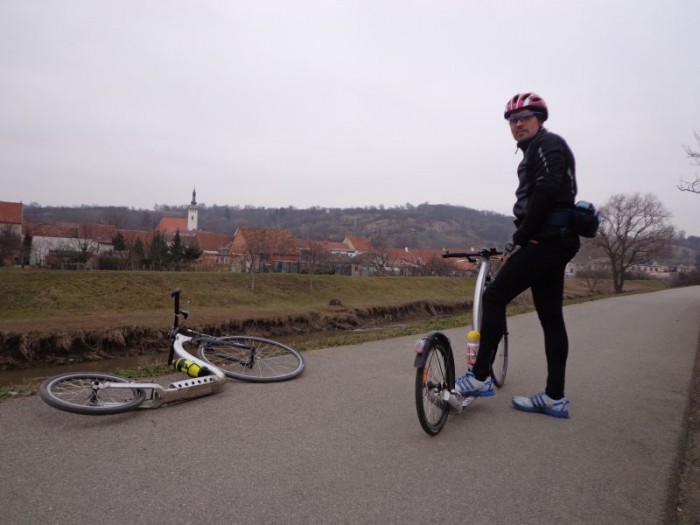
523, 116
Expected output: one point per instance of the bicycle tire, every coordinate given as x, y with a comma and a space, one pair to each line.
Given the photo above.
253, 359
431, 379
499, 362
75, 393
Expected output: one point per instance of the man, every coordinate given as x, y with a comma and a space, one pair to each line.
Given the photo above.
544, 199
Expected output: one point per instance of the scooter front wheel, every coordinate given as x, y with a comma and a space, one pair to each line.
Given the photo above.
432, 378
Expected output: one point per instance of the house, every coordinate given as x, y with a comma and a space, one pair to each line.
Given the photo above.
77, 245
132, 237
425, 262
326, 257
215, 248
264, 250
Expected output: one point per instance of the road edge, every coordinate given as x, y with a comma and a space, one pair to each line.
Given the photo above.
683, 506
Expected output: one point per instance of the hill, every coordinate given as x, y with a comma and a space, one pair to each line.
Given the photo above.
424, 226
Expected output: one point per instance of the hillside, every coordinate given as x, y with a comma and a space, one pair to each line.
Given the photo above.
423, 226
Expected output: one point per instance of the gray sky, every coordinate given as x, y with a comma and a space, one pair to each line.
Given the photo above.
340, 103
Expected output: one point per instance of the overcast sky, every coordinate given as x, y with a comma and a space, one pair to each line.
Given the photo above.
340, 103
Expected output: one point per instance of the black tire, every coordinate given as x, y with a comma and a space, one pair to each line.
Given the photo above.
431, 379
79, 393
253, 359
499, 362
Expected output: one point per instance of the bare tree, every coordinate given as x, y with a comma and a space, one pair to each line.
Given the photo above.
25, 250
313, 255
593, 279
380, 256
261, 244
633, 230
694, 155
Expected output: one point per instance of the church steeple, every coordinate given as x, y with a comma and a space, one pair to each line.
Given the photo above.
192, 212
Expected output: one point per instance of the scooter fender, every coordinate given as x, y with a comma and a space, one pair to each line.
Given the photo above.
422, 346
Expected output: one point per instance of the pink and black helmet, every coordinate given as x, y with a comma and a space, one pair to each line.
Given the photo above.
530, 101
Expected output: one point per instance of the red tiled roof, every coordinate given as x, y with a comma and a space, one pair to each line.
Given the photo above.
60, 229
130, 236
276, 240
10, 212
360, 244
325, 246
172, 224
336, 246
97, 232
212, 241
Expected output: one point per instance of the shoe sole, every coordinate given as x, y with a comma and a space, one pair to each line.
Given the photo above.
548, 411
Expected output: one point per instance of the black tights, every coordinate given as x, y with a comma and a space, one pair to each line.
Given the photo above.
541, 268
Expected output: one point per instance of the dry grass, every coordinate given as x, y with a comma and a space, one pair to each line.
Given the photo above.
45, 302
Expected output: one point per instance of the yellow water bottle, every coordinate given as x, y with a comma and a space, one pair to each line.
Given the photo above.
472, 347
190, 368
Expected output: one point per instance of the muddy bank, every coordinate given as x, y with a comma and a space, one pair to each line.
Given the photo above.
27, 350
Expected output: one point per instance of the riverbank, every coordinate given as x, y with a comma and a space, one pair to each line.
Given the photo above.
55, 318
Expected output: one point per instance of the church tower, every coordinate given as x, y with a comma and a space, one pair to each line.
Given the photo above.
192, 213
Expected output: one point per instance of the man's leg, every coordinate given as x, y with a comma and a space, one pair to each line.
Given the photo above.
517, 275
548, 293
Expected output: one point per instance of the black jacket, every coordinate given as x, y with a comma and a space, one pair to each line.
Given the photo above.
547, 176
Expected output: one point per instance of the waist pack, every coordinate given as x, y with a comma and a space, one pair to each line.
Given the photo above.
585, 219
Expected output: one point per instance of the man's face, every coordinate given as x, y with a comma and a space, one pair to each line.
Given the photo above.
523, 124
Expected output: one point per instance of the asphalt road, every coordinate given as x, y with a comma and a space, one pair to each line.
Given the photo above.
342, 444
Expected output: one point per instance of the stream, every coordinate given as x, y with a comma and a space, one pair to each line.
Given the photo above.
155, 358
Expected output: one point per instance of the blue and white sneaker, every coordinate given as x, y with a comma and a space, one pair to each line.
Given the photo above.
544, 404
469, 386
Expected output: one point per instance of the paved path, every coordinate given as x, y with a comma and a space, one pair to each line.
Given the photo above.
342, 444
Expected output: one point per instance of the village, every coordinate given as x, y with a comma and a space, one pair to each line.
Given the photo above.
177, 243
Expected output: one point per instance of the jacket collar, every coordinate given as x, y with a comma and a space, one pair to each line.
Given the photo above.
523, 145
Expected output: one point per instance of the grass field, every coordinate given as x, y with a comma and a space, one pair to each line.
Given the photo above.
43, 301
64, 316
